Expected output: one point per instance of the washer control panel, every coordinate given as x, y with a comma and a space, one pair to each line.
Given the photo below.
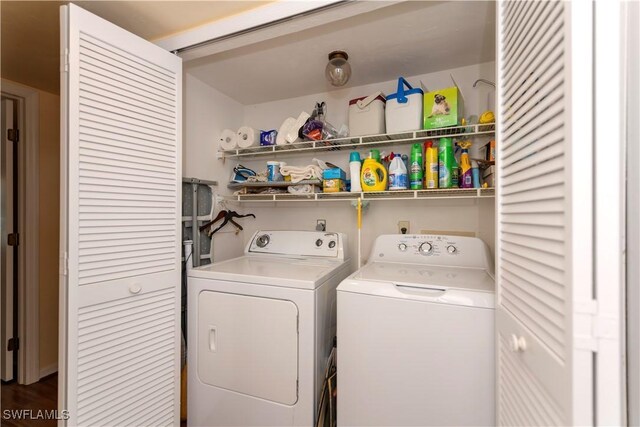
432, 249
298, 243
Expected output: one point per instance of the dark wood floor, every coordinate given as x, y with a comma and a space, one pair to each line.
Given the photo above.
42, 395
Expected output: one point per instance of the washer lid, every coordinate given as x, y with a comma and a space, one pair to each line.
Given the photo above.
303, 273
458, 286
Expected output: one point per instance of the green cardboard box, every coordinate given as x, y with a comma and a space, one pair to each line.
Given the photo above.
442, 108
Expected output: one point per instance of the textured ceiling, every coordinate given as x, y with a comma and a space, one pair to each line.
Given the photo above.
30, 35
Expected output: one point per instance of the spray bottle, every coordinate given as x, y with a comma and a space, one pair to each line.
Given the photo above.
466, 175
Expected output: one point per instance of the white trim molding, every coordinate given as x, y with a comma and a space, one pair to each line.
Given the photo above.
28, 226
262, 23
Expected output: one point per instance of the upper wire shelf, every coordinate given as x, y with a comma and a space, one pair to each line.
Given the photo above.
337, 144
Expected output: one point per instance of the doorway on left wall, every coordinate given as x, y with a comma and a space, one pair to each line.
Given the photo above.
9, 240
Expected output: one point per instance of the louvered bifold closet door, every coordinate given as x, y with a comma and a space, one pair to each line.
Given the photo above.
121, 103
542, 235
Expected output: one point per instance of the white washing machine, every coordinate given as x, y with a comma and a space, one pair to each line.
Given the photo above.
261, 327
416, 335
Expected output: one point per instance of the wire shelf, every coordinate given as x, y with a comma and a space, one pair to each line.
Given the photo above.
337, 144
453, 193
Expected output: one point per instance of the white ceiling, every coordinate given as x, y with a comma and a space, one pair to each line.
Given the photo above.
31, 37
411, 38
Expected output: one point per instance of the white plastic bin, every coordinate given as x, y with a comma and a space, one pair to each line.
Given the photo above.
404, 108
366, 115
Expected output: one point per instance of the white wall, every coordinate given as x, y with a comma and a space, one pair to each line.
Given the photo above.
208, 112
270, 115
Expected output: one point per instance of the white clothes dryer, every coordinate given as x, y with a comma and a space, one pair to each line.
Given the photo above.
416, 335
261, 328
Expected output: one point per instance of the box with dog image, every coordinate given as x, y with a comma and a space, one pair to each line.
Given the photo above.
442, 108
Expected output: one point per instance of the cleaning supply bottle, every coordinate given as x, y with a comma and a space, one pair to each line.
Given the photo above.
430, 165
415, 167
375, 154
446, 160
397, 173
373, 176
354, 169
475, 173
466, 178
455, 172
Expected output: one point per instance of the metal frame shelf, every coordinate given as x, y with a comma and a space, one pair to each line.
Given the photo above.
431, 194
361, 141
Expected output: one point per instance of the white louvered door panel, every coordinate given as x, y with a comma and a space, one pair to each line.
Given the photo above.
544, 219
120, 243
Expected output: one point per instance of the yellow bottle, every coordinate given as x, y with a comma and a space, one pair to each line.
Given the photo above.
430, 165
373, 176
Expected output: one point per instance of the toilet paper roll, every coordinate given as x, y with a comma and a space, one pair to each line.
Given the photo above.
228, 140
284, 129
248, 137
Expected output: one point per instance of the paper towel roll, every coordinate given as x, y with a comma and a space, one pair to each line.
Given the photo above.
284, 129
228, 140
248, 137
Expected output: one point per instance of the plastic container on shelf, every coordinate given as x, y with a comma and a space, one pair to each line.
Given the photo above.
354, 170
366, 115
397, 174
430, 165
404, 108
373, 176
416, 167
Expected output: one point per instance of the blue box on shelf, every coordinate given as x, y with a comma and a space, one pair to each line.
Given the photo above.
334, 173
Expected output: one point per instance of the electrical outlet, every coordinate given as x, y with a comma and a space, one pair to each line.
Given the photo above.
403, 227
321, 225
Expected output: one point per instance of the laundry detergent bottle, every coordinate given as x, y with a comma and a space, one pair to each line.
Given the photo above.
373, 176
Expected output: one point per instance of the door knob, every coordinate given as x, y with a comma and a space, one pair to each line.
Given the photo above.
135, 289
517, 344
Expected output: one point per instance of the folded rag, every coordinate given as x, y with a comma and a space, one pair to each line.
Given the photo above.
301, 189
298, 174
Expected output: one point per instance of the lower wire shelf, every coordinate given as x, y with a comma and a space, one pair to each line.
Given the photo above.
450, 193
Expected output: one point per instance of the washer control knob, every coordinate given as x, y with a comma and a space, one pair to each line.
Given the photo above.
402, 247
332, 244
425, 248
319, 242
452, 249
263, 240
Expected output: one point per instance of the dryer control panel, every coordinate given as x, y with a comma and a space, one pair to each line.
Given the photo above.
299, 243
430, 249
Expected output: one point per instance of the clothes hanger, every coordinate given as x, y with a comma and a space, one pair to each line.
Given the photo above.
221, 214
229, 218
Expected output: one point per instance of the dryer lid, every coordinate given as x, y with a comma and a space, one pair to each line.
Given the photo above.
290, 272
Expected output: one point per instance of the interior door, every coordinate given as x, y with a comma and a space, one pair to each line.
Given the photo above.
546, 308
120, 244
7, 252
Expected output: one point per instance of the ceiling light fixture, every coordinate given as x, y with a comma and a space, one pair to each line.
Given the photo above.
338, 69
